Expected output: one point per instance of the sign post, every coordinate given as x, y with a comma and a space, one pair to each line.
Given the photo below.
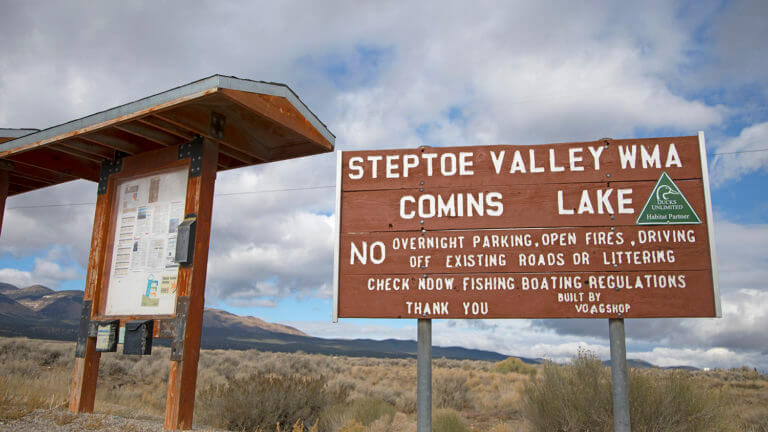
607, 229
619, 377
5, 167
424, 376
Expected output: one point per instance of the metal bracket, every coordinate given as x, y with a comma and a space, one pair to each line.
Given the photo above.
218, 121
194, 151
179, 328
6, 165
85, 330
109, 167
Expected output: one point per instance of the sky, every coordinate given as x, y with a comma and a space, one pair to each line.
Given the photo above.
401, 75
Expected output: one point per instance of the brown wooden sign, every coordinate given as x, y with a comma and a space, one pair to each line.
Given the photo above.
602, 229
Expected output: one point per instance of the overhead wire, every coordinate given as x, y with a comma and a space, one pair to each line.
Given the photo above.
215, 194
293, 189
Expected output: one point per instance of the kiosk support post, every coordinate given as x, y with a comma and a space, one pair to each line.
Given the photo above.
619, 379
424, 375
180, 402
82, 394
4, 168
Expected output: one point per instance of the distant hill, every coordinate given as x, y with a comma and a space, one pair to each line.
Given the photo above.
221, 319
40, 312
29, 293
7, 287
11, 308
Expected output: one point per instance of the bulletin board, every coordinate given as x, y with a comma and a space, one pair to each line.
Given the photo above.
143, 276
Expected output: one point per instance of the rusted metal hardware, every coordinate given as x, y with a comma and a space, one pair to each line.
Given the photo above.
175, 328
85, 329
218, 121
179, 328
109, 167
194, 151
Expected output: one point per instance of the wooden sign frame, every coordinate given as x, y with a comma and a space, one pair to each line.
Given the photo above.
393, 205
183, 327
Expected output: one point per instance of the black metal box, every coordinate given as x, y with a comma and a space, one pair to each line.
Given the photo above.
185, 240
138, 337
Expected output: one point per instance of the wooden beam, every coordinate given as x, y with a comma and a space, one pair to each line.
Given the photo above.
16, 180
145, 143
228, 162
22, 178
82, 394
4, 184
171, 128
72, 151
59, 162
198, 120
15, 190
42, 174
199, 129
104, 152
279, 110
180, 401
153, 134
114, 143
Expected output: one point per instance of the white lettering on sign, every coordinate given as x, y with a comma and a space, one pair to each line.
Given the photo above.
648, 159
397, 166
601, 203
462, 163
516, 161
389, 284
454, 205
427, 308
602, 308
377, 252
436, 284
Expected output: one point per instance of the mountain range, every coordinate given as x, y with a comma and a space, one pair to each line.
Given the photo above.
39, 312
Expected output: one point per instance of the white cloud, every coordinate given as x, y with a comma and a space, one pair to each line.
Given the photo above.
44, 272
701, 358
352, 329
743, 158
43, 219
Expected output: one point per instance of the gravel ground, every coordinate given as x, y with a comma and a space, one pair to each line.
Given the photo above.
62, 420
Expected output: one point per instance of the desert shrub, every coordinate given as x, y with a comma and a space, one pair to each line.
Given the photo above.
406, 402
755, 422
352, 426
262, 401
448, 420
450, 391
370, 409
578, 397
570, 398
674, 402
357, 413
514, 365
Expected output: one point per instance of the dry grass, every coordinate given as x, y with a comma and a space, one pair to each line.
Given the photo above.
354, 394
578, 397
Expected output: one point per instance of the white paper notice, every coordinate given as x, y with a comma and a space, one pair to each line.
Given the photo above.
143, 276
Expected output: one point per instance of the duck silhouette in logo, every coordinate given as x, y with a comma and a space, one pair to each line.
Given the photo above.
664, 193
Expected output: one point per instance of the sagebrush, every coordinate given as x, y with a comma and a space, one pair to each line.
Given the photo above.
578, 397
379, 395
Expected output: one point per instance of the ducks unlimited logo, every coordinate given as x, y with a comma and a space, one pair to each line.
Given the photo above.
667, 205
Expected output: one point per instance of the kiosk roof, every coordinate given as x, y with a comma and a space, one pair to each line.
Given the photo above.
254, 122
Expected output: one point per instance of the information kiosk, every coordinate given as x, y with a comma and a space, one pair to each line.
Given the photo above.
156, 161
